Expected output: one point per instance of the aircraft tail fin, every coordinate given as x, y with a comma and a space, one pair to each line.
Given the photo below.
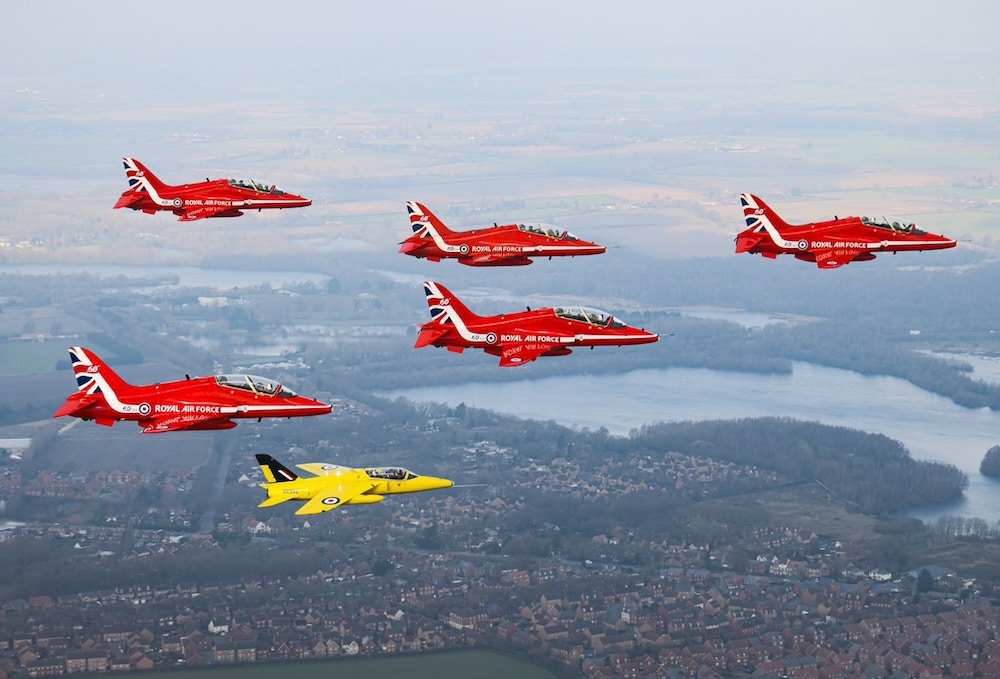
445, 307
141, 183
759, 214
93, 375
424, 222
96, 384
274, 472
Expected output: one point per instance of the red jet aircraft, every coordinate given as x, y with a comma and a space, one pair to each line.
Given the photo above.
507, 245
830, 244
521, 337
185, 405
210, 198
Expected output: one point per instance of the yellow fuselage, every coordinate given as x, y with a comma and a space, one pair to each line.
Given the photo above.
305, 489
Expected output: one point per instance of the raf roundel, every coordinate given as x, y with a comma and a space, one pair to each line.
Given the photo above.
803, 244
332, 501
464, 248
144, 409
178, 202
491, 338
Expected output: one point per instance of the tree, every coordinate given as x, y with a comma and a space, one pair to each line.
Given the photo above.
381, 567
925, 581
990, 466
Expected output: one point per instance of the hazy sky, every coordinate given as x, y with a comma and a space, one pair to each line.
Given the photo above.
307, 46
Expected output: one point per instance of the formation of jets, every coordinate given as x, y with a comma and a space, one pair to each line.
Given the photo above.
201, 200
215, 402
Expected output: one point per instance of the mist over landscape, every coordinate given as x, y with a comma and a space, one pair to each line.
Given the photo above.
797, 457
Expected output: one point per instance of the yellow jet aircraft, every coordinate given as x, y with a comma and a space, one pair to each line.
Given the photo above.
333, 485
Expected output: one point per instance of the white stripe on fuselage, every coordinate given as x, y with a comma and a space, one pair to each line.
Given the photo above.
775, 235
439, 241
110, 397
480, 338
141, 176
234, 204
780, 241
123, 408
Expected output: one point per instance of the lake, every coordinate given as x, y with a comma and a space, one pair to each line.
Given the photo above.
930, 426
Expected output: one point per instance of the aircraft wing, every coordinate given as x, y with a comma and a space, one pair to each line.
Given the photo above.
185, 422
204, 212
494, 259
335, 495
319, 468
833, 259
512, 355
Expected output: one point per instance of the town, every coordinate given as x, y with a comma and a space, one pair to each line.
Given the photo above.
468, 568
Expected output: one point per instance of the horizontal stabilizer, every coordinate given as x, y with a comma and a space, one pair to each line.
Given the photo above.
129, 198
276, 500
77, 403
429, 336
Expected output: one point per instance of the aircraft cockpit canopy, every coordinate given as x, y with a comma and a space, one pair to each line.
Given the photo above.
253, 383
547, 230
602, 319
390, 473
253, 185
897, 225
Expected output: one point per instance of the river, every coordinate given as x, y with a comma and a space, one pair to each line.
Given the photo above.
930, 426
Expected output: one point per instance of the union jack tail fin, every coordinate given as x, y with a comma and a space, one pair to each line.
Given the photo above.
445, 306
274, 471
96, 383
448, 313
93, 375
759, 214
141, 183
424, 222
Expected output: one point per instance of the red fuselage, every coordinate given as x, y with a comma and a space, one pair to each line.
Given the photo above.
201, 200
507, 245
196, 404
830, 244
521, 337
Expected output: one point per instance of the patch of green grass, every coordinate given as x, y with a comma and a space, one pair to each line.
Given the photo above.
24, 358
462, 664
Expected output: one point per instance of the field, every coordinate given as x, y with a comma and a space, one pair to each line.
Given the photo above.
20, 358
479, 664
809, 507
473, 166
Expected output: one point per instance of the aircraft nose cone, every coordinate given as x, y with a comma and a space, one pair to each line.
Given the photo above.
318, 407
